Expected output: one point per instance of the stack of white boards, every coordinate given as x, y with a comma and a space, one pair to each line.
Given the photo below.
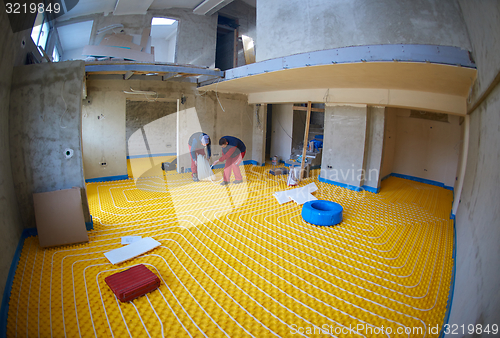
298, 195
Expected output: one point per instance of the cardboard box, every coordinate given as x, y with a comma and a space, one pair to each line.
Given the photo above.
59, 217
279, 171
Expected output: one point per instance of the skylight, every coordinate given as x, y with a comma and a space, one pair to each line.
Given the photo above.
162, 22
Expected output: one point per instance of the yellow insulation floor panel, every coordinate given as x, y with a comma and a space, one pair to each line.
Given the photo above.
235, 263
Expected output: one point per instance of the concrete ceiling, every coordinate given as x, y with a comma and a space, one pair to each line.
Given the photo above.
122, 7
443, 79
430, 87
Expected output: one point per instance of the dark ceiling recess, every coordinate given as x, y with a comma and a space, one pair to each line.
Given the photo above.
420, 114
227, 33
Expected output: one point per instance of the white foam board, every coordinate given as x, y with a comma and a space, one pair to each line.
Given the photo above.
135, 249
282, 197
303, 198
130, 239
298, 195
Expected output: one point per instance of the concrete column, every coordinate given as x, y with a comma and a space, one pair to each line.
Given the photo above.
45, 126
374, 144
282, 128
344, 145
259, 133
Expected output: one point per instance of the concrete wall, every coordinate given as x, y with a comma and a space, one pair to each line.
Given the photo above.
326, 24
259, 134
476, 297
106, 138
282, 128
374, 144
196, 36
234, 118
10, 221
45, 121
389, 142
299, 125
344, 144
427, 149
103, 123
151, 127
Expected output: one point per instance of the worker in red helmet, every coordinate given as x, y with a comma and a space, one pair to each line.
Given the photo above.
233, 150
197, 143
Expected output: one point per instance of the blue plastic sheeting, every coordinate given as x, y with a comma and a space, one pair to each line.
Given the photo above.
107, 178
322, 212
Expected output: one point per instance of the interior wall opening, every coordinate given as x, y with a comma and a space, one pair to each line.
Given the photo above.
226, 47
164, 39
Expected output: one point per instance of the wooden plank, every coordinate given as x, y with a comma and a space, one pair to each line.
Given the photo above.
306, 136
248, 49
117, 53
116, 40
305, 109
44, 54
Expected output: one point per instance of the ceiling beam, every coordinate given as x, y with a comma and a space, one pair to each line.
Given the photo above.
127, 7
209, 7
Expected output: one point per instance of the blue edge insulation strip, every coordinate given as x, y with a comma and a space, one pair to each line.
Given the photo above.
32, 232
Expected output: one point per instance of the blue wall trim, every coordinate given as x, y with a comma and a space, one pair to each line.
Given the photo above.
107, 178
351, 187
4, 311
421, 180
385, 177
254, 163
343, 185
371, 189
453, 276
90, 225
152, 155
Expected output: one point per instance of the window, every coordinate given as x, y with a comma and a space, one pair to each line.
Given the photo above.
40, 32
55, 55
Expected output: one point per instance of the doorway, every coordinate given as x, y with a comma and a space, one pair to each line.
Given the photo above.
226, 51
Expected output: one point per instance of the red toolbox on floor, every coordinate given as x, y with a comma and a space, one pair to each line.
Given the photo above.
132, 283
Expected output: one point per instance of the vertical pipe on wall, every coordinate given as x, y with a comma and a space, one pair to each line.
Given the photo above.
463, 164
178, 133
